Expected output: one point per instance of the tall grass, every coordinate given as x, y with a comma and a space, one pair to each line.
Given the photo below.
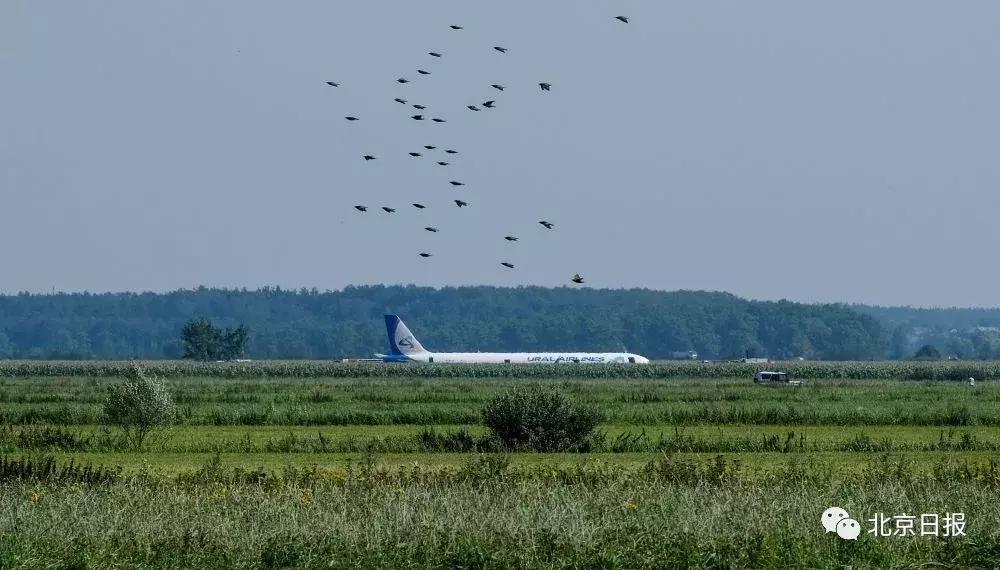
332, 369
671, 513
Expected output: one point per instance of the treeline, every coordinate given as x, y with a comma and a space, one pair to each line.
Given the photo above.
313, 324
970, 333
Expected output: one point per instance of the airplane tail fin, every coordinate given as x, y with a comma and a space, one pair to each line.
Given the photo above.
401, 340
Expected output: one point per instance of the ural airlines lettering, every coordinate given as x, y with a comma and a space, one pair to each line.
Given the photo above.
551, 358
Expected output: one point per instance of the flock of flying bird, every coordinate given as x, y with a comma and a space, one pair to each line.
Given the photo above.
491, 104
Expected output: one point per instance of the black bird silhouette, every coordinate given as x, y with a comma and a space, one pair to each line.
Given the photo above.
548, 225
461, 204
431, 229
351, 118
472, 107
449, 151
500, 49
442, 163
434, 54
429, 147
577, 279
490, 104
415, 154
507, 265
417, 117
425, 255
510, 238
402, 80
437, 120
400, 101
420, 206
498, 87
332, 84
545, 86
456, 27
361, 208
622, 18
422, 72
369, 157
420, 107
456, 183
388, 210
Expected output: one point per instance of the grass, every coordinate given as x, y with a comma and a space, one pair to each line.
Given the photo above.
352, 472
487, 514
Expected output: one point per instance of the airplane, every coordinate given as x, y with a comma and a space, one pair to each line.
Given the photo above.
404, 347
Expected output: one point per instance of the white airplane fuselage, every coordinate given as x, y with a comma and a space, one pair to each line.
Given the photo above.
404, 347
529, 357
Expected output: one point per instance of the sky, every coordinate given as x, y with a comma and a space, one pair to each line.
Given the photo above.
836, 151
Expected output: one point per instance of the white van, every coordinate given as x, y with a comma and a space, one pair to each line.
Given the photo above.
764, 377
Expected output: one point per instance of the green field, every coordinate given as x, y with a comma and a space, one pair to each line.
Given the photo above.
309, 471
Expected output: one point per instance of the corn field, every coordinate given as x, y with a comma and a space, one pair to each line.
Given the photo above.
981, 370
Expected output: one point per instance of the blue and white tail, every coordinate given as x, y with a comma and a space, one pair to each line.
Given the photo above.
401, 340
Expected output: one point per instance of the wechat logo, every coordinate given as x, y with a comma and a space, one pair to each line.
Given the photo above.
836, 519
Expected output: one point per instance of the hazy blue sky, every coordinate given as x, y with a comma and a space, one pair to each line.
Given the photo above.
834, 151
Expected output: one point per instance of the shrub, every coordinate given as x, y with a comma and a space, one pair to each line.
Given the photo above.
139, 405
539, 419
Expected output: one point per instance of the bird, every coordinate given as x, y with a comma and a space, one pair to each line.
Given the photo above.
500, 49
510, 238
431, 229
419, 206
420, 107
400, 101
498, 87
388, 210
456, 183
369, 157
507, 265
417, 117
361, 208
548, 225
425, 255
422, 72
472, 107
442, 163
545, 86
461, 204
402, 80
489, 104
351, 118
454, 27
433, 54
429, 147
622, 18
332, 84
437, 120
577, 279
415, 154
449, 151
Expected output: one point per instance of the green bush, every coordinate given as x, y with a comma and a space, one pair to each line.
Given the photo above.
539, 419
139, 405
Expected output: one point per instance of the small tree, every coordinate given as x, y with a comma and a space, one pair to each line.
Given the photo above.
928, 352
200, 340
204, 341
539, 419
234, 342
139, 405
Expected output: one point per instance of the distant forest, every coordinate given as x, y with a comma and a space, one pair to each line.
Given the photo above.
314, 324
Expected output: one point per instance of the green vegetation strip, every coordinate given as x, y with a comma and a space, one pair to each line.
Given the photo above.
333, 369
489, 513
